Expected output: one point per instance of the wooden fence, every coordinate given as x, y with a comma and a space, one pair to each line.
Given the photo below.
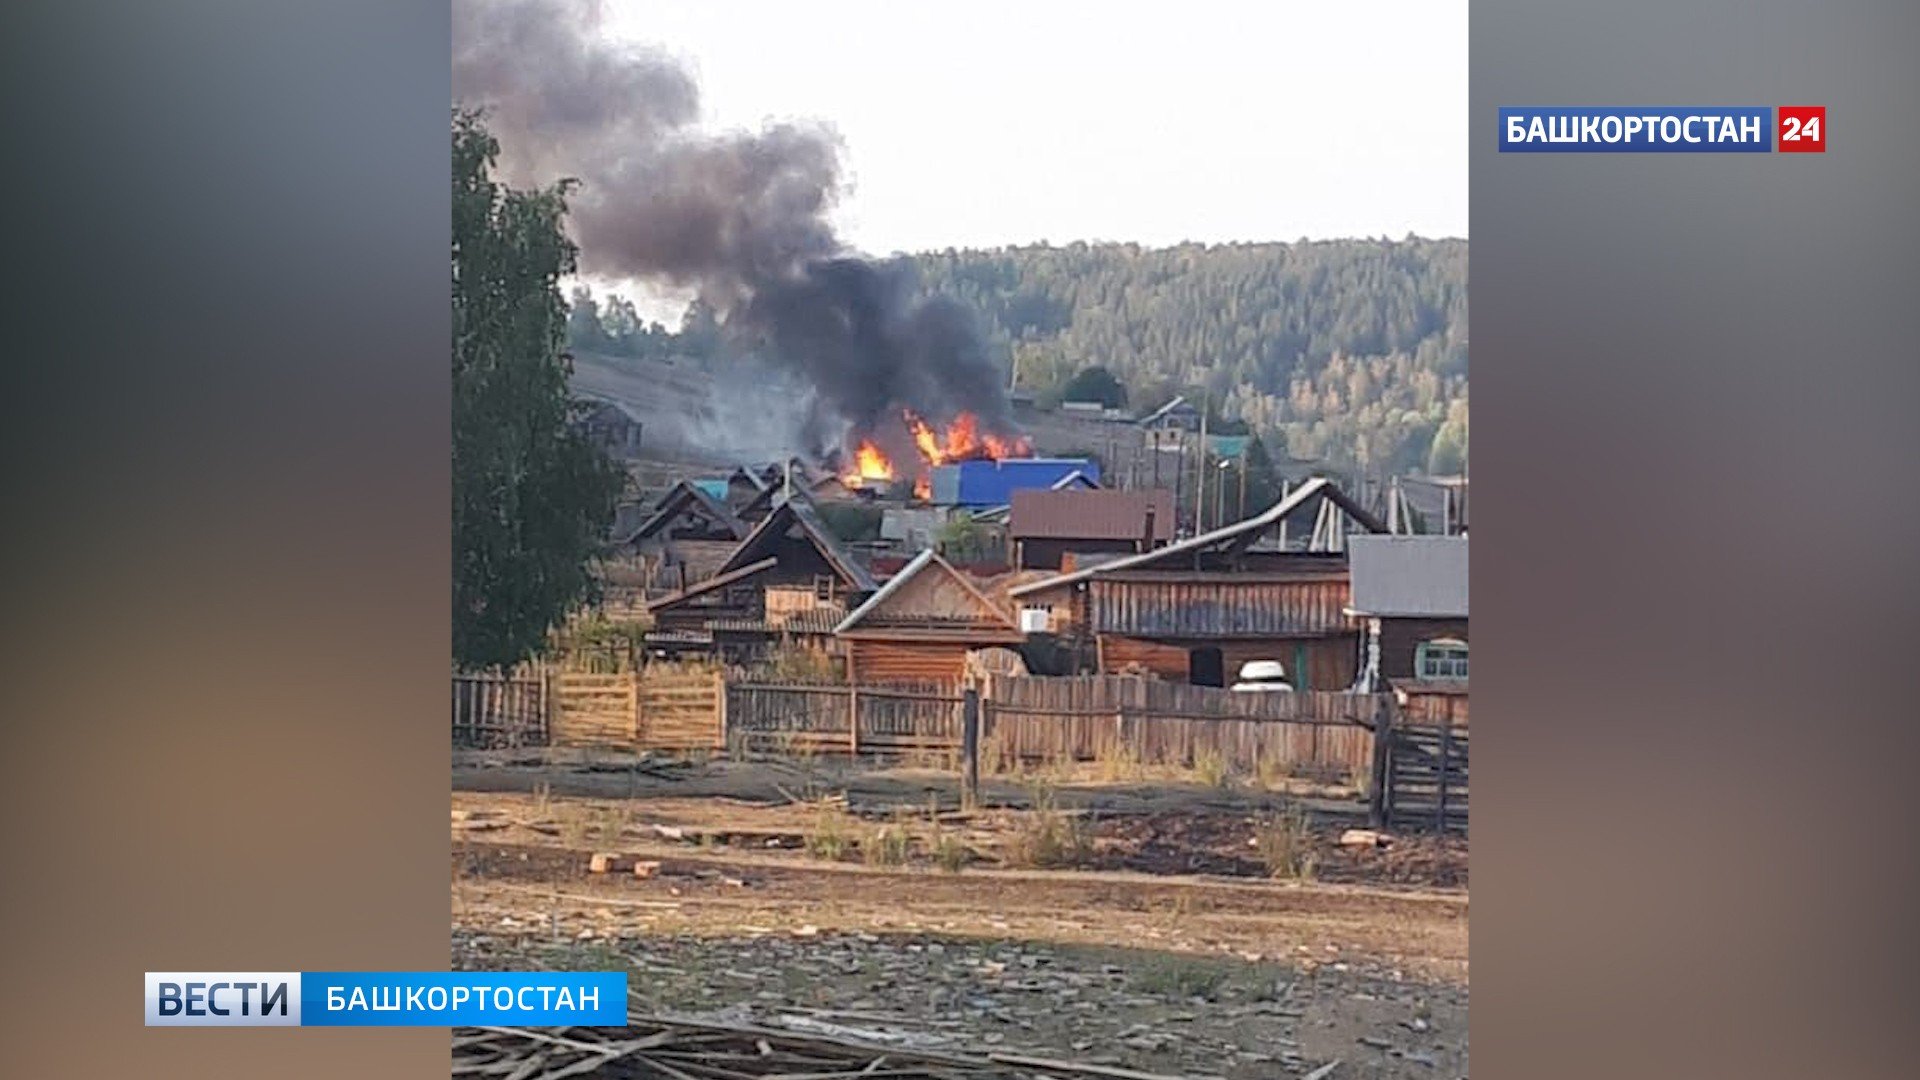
659, 707
1421, 778
492, 711
1157, 723
1026, 719
591, 709
838, 718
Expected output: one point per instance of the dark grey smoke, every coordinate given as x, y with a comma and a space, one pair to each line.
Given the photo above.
741, 216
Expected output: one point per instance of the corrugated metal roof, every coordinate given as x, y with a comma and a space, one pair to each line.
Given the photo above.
1090, 515
1409, 576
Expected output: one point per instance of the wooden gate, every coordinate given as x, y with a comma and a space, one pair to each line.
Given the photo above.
594, 710
645, 710
1425, 786
680, 710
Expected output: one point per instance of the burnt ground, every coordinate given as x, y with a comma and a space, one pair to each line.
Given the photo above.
1151, 935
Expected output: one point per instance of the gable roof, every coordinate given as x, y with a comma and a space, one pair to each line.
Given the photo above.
1178, 400
599, 402
717, 581
1236, 537
995, 620
1076, 479
1090, 515
680, 498
792, 513
1409, 576
741, 472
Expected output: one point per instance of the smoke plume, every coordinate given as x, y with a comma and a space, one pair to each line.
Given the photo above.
741, 217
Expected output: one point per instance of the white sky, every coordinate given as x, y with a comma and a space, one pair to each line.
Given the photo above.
990, 123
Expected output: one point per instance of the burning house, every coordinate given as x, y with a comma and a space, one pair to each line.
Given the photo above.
895, 383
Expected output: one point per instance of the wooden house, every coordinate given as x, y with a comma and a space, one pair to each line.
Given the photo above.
921, 625
744, 488
1045, 525
1196, 610
1176, 415
1410, 595
612, 426
789, 577
686, 538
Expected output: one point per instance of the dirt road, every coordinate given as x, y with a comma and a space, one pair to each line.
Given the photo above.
748, 917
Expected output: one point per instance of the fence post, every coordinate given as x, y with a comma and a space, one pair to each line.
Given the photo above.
1440, 801
633, 708
853, 720
1379, 799
970, 749
721, 736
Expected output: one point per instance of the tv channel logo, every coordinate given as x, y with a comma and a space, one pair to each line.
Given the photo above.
223, 999
1642, 129
385, 998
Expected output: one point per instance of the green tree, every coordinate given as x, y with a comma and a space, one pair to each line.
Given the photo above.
963, 539
532, 498
1096, 384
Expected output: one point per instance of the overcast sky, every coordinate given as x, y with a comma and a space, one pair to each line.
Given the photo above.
987, 123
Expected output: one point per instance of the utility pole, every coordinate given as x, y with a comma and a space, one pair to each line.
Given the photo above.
1200, 475
1242, 501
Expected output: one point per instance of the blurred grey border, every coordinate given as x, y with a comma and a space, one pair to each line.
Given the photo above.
1696, 574
227, 554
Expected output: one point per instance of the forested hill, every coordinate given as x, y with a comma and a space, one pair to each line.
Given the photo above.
1352, 351
1355, 350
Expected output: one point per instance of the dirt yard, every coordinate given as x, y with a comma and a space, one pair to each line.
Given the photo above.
1138, 926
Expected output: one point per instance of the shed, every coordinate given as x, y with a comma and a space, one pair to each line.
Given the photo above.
921, 625
613, 426
1410, 595
1176, 415
1045, 525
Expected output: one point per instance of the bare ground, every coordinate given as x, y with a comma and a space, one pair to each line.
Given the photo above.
1163, 946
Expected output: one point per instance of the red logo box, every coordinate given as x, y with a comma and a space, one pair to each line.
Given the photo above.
1803, 129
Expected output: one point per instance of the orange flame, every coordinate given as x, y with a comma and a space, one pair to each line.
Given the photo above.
870, 464
961, 441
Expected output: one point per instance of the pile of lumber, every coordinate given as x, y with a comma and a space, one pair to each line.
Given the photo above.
680, 1050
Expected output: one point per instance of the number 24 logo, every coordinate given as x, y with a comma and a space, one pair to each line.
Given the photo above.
1795, 129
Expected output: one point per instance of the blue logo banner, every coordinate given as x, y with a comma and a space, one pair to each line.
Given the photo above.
1659, 129
463, 998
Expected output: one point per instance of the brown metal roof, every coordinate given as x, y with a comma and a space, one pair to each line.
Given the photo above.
1090, 514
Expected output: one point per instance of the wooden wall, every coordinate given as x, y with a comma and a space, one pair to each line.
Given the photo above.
1041, 553
904, 661
1331, 662
1399, 638
1436, 709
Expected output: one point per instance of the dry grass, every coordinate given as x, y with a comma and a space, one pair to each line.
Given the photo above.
1048, 836
1119, 763
830, 837
1210, 768
1285, 842
950, 853
1180, 977
887, 845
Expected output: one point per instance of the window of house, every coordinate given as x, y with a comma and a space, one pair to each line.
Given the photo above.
1441, 658
822, 587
